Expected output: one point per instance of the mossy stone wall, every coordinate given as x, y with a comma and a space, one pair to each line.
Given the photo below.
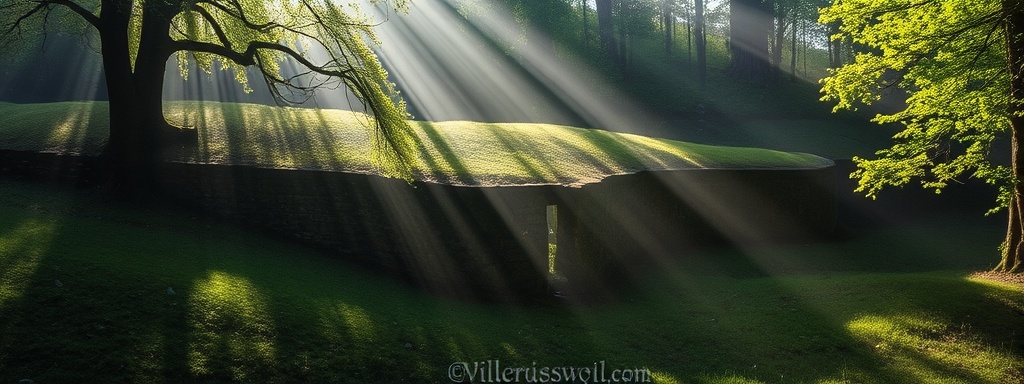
491, 243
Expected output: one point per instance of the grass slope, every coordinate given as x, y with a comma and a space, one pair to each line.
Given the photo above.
84, 294
452, 152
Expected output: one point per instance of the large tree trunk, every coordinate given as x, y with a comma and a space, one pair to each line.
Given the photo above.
1013, 254
122, 154
135, 97
750, 24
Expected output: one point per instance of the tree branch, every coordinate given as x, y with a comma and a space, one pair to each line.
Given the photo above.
213, 24
240, 16
17, 23
248, 58
89, 17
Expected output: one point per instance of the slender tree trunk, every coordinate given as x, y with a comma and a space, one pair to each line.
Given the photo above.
689, 39
667, 10
803, 43
828, 48
835, 47
586, 24
1013, 255
675, 29
702, 71
792, 43
606, 29
779, 39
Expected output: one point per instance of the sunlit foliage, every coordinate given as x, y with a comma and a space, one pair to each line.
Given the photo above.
949, 56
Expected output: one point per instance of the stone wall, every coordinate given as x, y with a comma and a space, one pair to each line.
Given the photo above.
610, 232
482, 243
491, 243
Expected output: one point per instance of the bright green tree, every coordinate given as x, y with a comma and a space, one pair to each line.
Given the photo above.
326, 38
961, 63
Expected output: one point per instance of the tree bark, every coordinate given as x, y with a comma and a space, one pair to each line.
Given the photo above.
803, 45
1013, 259
702, 52
135, 96
778, 41
750, 24
835, 47
689, 39
586, 23
792, 42
667, 9
605, 28
121, 152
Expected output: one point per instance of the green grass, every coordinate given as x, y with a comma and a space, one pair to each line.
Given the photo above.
250, 309
453, 152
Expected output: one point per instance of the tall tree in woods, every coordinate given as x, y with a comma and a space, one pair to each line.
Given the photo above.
962, 64
585, 36
137, 37
701, 43
668, 22
545, 21
634, 20
784, 11
750, 25
792, 41
606, 29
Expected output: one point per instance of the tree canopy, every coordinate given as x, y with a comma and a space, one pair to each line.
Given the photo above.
955, 61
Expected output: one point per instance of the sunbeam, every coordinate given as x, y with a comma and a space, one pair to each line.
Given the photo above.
478, 64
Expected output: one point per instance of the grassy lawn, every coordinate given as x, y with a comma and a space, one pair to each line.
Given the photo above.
454, 152
84, 292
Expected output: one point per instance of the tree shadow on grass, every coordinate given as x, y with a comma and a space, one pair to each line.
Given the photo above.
812, 330
447, 154
232, 316
245, 308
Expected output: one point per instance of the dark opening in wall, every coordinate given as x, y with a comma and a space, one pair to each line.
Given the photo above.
552, 214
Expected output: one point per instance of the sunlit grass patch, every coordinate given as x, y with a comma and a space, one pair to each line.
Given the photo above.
461, 152
67, 127
934, 350
232, 328
21, 248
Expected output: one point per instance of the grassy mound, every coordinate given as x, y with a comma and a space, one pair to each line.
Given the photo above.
450, 152
122, 295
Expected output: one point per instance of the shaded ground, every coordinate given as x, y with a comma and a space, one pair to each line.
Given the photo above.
147, 295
